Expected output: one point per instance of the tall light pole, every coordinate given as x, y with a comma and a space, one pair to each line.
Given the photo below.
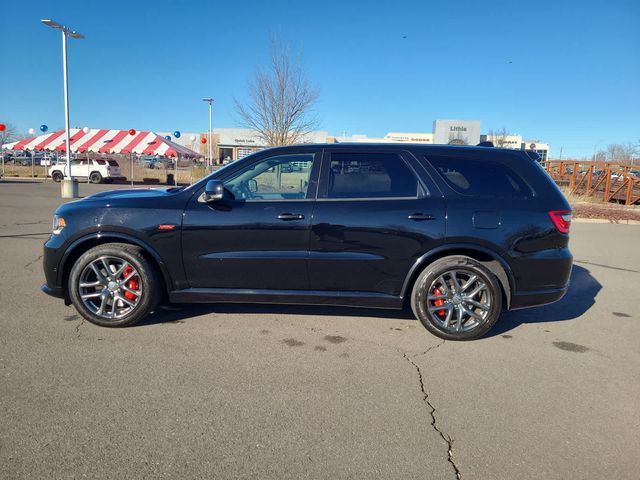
69, 188
593, 157
210, 102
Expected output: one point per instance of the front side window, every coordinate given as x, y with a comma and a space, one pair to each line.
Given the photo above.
282, 177
370, 175
477, 177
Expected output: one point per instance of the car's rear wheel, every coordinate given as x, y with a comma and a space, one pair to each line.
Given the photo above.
95, 177
57, 176
114, 285
457, 298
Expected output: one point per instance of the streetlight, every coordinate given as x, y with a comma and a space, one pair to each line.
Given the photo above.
593, 157
69, 188
210, 102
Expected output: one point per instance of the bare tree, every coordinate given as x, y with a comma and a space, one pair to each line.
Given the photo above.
498, 137
279, 107
10, 134
625, 153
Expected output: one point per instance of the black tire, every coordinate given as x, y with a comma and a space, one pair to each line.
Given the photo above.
57, 176
95, 177
150, 283
487, 302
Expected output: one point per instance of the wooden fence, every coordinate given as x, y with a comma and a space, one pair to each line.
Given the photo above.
612, 182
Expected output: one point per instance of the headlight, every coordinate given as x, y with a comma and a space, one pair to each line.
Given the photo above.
58, 224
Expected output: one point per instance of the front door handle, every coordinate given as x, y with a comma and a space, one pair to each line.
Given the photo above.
290, 216
420, 217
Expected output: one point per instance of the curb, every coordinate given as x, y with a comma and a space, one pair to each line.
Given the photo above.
605, 220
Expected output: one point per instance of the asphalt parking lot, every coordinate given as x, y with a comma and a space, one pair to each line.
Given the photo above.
220, 391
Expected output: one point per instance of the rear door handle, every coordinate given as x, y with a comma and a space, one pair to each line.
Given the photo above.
290, 216
420, 217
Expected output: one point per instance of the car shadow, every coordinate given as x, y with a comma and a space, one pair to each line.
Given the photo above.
581, 296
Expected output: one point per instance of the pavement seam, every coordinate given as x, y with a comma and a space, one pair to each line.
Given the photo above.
33, 261
434, 423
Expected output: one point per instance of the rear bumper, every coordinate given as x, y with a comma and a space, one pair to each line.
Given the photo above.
536, 298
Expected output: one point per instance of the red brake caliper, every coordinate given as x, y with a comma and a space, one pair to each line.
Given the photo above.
132, 284
439, 302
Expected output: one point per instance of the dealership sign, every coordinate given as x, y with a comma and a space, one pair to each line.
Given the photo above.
461, 132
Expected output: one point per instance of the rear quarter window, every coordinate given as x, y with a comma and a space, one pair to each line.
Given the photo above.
478, 177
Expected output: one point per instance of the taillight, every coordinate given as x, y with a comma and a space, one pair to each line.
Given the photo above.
561, 219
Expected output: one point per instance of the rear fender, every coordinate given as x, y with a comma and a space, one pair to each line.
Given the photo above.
496, 264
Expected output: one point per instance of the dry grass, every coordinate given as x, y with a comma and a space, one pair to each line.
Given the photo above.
574, 198
584, 206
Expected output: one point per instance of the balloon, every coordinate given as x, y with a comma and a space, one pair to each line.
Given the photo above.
32, 131
177, 134
168, 137
3, 127
203, 140
43, 128
85, 130
192, 138
132, 131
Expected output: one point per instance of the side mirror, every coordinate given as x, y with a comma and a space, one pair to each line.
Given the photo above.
252, 185
213, 191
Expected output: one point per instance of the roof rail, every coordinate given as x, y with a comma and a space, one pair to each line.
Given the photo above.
485, 144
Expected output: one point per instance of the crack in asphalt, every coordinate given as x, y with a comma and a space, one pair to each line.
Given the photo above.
78, 327
32, 262
433, 347
434, 423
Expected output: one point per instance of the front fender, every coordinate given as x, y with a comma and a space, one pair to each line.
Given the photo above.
82, 244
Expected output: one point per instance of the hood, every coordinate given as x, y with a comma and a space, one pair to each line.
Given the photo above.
133, 193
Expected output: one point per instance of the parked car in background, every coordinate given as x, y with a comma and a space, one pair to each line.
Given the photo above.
459, 233
151, 161
96, 170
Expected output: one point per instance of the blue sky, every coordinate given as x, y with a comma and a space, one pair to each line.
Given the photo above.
573, 80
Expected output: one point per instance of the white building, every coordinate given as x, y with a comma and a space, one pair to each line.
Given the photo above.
234, 143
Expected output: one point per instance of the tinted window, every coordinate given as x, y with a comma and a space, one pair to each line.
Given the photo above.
370, 175
480, 177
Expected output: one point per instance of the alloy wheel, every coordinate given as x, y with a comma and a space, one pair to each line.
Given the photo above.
110, 287
458, 301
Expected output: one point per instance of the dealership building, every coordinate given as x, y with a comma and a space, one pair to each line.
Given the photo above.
234, 143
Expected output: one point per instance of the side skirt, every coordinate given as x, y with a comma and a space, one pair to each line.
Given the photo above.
287, 297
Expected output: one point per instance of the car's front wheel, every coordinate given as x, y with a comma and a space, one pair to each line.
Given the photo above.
114, 285
457, 298
57, 176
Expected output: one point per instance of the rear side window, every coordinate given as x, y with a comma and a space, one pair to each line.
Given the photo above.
113, 163
370, 175
477, 177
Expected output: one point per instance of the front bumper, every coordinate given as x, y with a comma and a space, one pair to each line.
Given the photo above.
56, 292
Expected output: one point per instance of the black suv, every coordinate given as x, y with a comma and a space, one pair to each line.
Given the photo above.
460, 233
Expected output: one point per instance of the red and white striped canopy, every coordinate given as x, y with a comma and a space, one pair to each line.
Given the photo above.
105, 141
